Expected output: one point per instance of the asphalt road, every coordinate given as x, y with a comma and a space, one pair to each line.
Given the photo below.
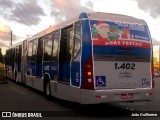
20, 99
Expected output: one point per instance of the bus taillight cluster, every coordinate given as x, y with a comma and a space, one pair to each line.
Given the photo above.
88, 75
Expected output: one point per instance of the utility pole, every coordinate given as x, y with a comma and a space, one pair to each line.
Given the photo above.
11, 37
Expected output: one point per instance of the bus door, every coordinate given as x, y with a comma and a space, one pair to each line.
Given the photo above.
76, 56
39, 69
66, 44
17, 65
20, 59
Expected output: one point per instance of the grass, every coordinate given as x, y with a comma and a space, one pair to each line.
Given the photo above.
1, 71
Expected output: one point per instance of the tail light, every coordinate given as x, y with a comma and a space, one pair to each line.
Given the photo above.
88, 75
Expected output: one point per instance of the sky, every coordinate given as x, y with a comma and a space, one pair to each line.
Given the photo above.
27, 17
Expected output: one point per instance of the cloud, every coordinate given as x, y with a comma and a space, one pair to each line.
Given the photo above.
24, 12
5, 32
4, 28
89, 5
3, 44
64, 9
150, 6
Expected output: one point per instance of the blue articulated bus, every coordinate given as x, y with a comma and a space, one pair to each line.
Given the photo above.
92, 58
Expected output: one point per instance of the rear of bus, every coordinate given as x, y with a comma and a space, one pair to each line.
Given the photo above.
121, 60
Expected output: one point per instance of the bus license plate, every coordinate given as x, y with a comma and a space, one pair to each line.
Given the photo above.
127, 96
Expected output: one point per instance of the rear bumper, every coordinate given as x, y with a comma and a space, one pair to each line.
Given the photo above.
103, 96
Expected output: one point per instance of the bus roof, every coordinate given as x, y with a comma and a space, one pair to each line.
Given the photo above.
115, 17
15, 45
54, 27
95, 16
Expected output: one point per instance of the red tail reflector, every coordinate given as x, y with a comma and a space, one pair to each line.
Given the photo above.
149, 94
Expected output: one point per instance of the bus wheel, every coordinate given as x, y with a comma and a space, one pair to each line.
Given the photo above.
48, 90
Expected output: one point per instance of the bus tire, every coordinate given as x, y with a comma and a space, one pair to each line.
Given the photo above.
47, 89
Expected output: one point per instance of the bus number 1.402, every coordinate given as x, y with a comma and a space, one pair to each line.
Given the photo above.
125, 66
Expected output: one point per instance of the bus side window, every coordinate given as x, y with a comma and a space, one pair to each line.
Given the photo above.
34, 50
32, 46
40, 50
55, 45
20, 54
48, 47
30, 51
63, 44
66, 44
40, 53
70, 47
17, 54
18, 51
77, 39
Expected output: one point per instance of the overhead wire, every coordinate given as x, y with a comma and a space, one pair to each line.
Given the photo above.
22, 20
28, 21
27, 13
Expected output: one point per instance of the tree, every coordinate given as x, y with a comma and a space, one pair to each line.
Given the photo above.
1, 57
